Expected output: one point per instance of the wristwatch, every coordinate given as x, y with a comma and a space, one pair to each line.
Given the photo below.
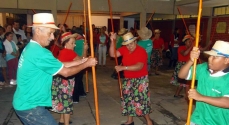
126, 67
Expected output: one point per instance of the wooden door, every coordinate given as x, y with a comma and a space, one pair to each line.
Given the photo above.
116, 23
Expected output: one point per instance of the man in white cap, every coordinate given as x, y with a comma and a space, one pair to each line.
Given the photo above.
36, 68
212, 93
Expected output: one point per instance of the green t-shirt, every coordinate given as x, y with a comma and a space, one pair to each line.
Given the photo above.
147, 45
213, 85
36, 68
119, 42
79, 47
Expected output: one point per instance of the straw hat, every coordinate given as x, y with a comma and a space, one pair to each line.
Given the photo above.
128, 38
44, 20
157, 31
122, 31
67, 35
220, 48
144, 33
187, 37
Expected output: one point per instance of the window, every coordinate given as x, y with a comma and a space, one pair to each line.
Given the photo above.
224, 10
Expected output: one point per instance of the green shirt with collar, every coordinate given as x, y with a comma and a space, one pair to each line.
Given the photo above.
147, 45
212, 85
79, 48
36, 69
119, 42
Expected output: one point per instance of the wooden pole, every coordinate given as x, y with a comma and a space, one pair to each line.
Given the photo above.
195, 61
116, 60
69, 7
93, 68
85, 40
183, 20
34, 12
150, 17
67, 13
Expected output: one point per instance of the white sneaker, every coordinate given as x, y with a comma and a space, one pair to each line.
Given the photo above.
13, 82
75, 102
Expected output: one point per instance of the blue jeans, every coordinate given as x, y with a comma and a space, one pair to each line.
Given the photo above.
174, 55
36, 116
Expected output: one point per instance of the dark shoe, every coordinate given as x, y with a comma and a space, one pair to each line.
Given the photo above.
60, 123
114, 77
83, 95
128, 124
178, 96
122, 76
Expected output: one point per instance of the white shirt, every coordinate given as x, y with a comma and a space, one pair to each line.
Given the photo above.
8, 46
20, 32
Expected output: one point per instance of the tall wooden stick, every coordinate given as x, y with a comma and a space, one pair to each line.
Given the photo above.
34, 12
195, 61
85, 40
150, 17
69, 7
93, 68
116, 60
183, 20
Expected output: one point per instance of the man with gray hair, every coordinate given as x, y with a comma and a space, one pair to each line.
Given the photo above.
36, 68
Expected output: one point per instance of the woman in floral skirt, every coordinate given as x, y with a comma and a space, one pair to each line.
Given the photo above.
135, 87
62, 87
183, 56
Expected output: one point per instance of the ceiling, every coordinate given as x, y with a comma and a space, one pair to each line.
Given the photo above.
206, 3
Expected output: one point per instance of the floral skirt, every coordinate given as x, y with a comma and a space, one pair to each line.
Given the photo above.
136, 97
62, 89
156, 59
175, 80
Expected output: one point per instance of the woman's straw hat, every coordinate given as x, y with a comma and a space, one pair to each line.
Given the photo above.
157, 31
44, 20
67, 35
187, 37
144, 33
128, 38
122, 31
220, 48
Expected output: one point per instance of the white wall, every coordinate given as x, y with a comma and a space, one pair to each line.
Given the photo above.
130, 22
100, 21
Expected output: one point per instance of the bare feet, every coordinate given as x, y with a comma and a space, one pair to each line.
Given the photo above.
150, 122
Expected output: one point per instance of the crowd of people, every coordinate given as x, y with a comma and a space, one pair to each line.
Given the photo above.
51, 78
12, 42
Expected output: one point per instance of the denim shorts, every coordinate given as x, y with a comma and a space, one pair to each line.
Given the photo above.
36, 116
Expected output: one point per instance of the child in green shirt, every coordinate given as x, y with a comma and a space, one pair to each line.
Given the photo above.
212, 92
